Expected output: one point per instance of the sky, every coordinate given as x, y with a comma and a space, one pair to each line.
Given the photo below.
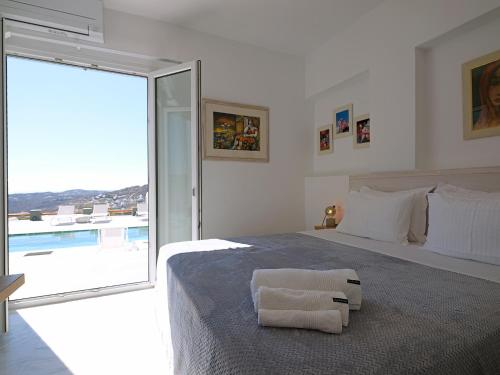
74, 128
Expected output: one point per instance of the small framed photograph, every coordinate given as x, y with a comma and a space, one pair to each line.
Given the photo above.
481, 96
362, 135
343, 121
234, 131
324, 140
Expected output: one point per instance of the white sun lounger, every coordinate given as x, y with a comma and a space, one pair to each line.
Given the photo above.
100, 213
65, 216
143, 211
112, 238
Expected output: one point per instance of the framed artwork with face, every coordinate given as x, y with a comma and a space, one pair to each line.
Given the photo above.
481, 96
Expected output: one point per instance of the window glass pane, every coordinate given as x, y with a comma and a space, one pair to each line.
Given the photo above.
173, 124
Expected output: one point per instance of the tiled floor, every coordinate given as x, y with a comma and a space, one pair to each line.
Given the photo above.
107, 335
79, 268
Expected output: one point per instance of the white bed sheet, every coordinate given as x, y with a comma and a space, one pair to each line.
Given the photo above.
413, 253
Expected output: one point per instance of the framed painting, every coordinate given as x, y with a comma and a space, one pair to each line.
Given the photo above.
343, 121
362, 135
481, 96
324, 140
235, 131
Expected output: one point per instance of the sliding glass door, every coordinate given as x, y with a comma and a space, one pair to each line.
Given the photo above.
174, 124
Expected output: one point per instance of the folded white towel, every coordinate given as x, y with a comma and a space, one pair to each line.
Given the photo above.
342, 280
306, 300
326, 321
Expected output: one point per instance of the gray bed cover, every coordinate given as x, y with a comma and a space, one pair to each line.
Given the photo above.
413, 320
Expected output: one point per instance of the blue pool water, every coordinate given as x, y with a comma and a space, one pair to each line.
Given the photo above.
60, 240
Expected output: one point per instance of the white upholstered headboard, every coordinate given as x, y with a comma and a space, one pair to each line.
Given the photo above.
484, 179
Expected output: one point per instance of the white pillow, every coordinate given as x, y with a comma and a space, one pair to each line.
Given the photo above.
418, 218
447, 188
464, 227
384, 218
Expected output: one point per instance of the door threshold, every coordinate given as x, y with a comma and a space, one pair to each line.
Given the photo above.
74, 296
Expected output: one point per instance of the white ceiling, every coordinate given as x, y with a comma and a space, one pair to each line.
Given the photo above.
292, 26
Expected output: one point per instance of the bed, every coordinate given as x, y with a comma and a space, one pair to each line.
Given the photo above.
421, 313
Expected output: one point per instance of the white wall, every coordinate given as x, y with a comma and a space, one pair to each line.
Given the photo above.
239, 198
440, 142
322, 192
344, 157
373, 65
383, 42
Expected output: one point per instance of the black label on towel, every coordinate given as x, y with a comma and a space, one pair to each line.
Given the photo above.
357, 282
340, 300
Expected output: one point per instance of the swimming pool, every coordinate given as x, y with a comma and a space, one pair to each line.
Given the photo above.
61, 240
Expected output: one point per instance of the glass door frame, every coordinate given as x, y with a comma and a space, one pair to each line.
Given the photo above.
196, 142
73, 294
4, 257
151, 137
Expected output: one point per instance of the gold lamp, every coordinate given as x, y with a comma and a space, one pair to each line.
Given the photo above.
329, 219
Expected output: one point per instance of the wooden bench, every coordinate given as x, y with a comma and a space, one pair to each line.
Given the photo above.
8, 285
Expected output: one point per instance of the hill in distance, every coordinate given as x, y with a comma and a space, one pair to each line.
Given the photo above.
49, 201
